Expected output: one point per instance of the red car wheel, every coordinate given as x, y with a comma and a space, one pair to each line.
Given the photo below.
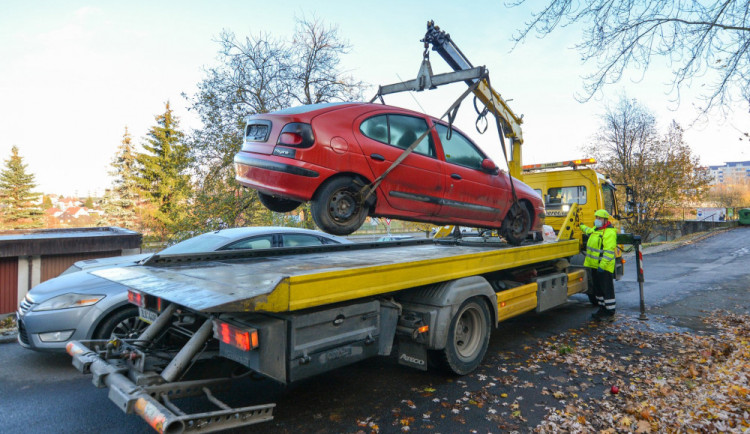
338, 208
516, 224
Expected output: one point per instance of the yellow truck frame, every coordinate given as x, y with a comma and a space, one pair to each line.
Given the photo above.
288, 314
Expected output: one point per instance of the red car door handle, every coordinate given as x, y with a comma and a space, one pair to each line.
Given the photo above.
455, 176
377, 157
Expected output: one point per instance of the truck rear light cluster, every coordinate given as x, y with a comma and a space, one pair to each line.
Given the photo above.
136, 298
245, 339
296, 135
146, 301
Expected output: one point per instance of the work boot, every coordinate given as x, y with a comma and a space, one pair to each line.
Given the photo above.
607, 316
599, 313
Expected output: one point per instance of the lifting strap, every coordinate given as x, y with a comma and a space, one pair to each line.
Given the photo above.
367, 190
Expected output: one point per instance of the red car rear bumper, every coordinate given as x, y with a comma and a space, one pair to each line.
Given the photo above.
279, 176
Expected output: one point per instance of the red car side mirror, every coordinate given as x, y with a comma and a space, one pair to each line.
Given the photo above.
489, 166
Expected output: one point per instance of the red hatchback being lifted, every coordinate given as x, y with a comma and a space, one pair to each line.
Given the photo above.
330, 153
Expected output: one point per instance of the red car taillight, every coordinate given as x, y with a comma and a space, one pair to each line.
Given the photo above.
296, 135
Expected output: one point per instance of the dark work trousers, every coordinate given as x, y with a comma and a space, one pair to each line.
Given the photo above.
604, 290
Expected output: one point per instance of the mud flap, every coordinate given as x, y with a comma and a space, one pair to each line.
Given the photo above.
412, 354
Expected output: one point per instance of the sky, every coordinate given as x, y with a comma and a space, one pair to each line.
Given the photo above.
75, 74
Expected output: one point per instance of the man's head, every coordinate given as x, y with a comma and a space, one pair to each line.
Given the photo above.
601, 218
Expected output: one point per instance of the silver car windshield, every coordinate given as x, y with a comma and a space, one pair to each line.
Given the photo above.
202, 243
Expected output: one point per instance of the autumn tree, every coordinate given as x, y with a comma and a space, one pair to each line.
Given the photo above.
162, 175
733, 193
662, 170
705, 41
257, 74
120, 203
17, 207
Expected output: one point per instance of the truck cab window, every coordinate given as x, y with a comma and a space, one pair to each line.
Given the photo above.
558, 196
609, 199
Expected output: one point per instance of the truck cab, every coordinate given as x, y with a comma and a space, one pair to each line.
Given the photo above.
563, 183
566, 182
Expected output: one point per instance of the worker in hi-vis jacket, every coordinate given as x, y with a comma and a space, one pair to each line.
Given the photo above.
600, 255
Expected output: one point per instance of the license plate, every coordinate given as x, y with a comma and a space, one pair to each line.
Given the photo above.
146, 315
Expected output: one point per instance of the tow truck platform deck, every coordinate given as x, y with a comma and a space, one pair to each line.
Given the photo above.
284, 280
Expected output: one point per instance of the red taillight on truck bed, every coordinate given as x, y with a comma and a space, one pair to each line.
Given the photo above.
136, 298
244, 339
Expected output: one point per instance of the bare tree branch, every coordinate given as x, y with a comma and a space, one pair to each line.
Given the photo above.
702, 41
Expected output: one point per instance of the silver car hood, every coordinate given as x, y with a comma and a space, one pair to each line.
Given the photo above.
80, 282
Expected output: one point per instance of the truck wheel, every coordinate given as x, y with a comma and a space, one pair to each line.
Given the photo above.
515, 227
337, 207
277, 204
123, 324
468, 337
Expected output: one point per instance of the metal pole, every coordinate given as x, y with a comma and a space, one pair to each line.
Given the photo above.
177, 366
157, 326
639, 266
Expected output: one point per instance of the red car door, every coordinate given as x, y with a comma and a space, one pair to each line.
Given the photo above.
416, 184
470, 192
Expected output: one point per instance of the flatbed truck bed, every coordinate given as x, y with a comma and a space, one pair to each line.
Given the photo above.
283, 280
288, 314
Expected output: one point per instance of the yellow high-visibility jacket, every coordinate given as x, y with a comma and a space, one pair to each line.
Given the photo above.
601, 247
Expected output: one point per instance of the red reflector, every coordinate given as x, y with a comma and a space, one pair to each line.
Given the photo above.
136, 298
290, 139
423, 329
245, 340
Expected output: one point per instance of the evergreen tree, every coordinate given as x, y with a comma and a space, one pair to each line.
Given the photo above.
162, 175
120, 204
46, 202
16, 197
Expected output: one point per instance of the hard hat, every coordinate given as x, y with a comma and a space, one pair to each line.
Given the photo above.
602, 214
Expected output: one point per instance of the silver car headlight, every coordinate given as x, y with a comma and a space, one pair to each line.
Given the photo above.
66, 301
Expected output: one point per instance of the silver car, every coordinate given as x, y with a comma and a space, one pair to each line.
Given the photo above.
78, 305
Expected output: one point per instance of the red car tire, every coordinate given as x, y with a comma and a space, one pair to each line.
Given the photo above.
337, 207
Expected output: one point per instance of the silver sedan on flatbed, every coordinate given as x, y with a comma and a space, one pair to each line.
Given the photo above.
78, 305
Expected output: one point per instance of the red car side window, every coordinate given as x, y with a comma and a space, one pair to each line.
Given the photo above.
376, 128
399, 131
459, 150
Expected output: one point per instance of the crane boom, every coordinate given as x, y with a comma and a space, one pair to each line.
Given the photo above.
447, 49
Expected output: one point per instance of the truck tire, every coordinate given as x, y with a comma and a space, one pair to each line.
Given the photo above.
516, 225
277, 204
123, 323
468, 338
337, 207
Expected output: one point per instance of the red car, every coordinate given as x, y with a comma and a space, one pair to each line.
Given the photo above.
326, 153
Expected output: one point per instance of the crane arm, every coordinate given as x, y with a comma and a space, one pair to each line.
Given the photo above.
442, 43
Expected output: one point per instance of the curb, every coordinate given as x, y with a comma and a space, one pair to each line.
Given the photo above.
8, 338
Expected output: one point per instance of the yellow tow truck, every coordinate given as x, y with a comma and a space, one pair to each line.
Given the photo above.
561, 184
291, 313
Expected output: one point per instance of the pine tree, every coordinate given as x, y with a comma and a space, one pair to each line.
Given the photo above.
16, 197
162, 174
120, 204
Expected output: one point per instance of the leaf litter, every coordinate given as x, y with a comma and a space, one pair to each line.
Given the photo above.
667, 381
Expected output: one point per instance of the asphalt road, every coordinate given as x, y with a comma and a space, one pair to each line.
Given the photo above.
43, 392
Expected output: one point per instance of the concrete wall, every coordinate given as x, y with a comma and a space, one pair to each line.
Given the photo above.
670, 230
